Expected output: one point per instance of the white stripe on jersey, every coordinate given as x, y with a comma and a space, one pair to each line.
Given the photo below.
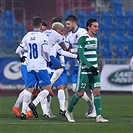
90, 53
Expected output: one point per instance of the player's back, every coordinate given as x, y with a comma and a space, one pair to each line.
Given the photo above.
53, 37
35, 58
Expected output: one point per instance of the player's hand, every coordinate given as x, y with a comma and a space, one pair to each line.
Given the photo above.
50, 63
77, 57
22, 59
94, 70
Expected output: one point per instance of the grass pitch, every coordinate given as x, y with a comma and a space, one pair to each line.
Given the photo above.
118, 109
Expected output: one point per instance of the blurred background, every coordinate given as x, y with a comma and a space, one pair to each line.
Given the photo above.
115, 34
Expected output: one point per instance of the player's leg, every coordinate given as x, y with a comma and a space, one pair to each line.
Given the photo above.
26, 101
61, 98
85, 96
64, 83
81, 86
58, 69
91, 113
44, 108
45, 86
97, 99
16, 106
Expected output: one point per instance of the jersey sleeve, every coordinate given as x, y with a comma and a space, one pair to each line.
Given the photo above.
22, 47
81, 43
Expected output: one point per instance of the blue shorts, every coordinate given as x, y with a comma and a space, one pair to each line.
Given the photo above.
24, 73
55, 62
64, 76
75, 75
41, 77
61, 80
58, 82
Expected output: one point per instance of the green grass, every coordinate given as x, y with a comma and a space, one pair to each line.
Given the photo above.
117, 108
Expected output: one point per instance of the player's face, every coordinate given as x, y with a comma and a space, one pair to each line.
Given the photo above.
60, 31
93, 29
70, 25
43, 28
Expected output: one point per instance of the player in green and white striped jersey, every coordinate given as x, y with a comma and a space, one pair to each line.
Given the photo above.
88, 73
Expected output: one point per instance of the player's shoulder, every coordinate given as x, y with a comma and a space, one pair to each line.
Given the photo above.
82, 29
83, 38
56, 33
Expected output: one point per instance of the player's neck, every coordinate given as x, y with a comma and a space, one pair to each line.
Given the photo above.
75, 29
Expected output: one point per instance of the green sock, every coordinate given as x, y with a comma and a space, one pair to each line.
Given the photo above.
97, 103
73, 102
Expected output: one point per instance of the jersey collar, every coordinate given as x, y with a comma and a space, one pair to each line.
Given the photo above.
36, 30
76, 30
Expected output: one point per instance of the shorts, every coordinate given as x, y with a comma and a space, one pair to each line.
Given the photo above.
55, 62
61, 80
64, 76
24, 73
41, 77
88, 82
75, 75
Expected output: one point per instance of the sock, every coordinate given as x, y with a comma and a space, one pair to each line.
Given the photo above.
74, 88
49, 104
26, 101
73, 102
86, 98
92, 100
61, 98
20, 99
97, 103
56, 75
43, 94
44, 106
66, 98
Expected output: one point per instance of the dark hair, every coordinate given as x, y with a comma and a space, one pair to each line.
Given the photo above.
90, 21
44, 24
36, 22
57, 19
71, 18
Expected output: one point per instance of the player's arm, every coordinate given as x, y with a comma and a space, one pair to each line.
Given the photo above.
63, 46
66, 53
19, 51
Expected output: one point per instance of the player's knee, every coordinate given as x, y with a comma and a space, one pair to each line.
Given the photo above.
74, 88
96, 92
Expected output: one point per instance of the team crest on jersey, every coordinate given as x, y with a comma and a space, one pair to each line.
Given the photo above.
97, 84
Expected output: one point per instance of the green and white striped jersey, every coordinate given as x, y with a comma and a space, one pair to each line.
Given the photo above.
87, 50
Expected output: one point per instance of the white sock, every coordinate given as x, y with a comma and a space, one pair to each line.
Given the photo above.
74, 88
61, 98
92, 99
56, 75
43, 94
66, 98
49, 104
44, 106
85, 97
26, 101
19, 99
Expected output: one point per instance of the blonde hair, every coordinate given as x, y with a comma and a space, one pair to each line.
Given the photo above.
57, 24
